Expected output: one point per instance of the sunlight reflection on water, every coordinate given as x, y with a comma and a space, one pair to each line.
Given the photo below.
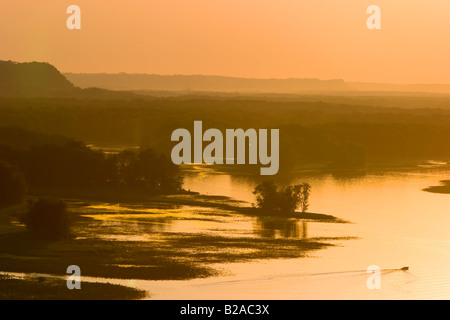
397, 224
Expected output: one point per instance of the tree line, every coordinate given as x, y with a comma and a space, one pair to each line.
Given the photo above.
74, 165
343, 132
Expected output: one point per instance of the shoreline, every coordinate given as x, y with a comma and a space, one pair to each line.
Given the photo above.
169, 256
444, 188
187, 198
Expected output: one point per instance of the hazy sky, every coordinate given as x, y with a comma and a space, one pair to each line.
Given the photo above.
324, 39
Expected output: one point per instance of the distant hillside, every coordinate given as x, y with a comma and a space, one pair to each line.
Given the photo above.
199, 83
32, 79
392, 87
41, 79
154, 84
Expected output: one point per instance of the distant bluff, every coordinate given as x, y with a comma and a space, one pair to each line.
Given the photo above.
32, 79
42, 80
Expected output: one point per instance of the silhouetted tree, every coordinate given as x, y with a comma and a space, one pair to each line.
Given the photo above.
124, 166
70, 165
286, 200
304, 196
145, 169
266, 196
48, 219
12, 184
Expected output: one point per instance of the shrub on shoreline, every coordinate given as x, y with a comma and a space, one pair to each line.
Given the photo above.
48, 219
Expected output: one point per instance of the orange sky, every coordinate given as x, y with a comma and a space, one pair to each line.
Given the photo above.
323, 39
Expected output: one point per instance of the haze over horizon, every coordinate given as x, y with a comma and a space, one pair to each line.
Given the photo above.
202, 83
242, 77
245, 39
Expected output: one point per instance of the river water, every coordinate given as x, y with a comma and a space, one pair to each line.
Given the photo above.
395, 224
